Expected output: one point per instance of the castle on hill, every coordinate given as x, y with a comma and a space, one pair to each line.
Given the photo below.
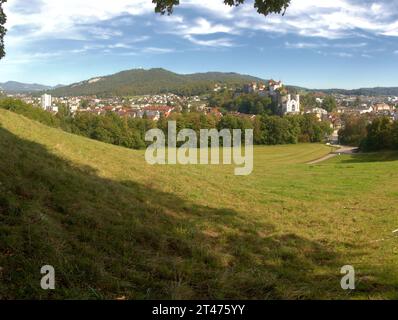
286, 102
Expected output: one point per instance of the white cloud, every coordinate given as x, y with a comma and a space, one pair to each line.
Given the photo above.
220, 42
203, 26
322, 18
61, 18
311, 45
344, 55
304, 45
191, 29
128, 44
157, 50
33, 57
376, 7
213, 7
65, 13
331, 19
119, 46
103, 33
81, 20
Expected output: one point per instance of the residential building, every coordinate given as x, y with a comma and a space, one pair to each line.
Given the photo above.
46, 101
73, 108
365, 109
378, 107
154, 112
319, 112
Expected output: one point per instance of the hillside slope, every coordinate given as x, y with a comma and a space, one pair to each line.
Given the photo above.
153, 81
113, 226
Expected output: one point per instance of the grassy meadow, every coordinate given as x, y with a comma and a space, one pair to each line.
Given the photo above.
113, 226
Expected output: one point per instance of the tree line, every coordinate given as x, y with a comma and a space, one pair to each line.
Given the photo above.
130, 132
369, 133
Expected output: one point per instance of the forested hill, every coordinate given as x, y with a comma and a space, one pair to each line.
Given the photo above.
377, 91
153, 81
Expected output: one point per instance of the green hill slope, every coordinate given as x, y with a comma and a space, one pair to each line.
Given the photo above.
113, 226
153, 81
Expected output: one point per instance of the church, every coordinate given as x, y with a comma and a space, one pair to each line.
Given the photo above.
290, 105
286, 104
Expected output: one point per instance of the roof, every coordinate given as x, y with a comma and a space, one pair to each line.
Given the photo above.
159, 108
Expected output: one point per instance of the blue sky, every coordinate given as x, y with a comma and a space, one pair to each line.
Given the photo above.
317, 44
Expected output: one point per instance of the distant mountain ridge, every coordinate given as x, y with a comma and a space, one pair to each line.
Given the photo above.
14, 86
158, 80
376, 91
19, 87
152, 81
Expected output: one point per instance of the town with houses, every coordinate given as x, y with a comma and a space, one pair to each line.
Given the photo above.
154, 106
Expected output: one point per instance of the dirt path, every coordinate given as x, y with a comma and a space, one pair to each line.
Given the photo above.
341, 150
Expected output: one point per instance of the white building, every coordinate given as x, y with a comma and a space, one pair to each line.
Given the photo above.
392, 99
73, 107
365, 109
46, 101
319, 112
290, 105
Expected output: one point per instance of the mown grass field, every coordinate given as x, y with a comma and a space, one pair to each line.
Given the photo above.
114, 226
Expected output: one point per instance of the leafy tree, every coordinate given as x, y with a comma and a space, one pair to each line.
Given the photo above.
357, 102
3, 20
220, 99
308, 101
84, 104
228, 122
394, 135
28, 111
329, 103
257, 130
354, 130
279, 130
245, 103
264, 7
130, 132
313, 130
379, 135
